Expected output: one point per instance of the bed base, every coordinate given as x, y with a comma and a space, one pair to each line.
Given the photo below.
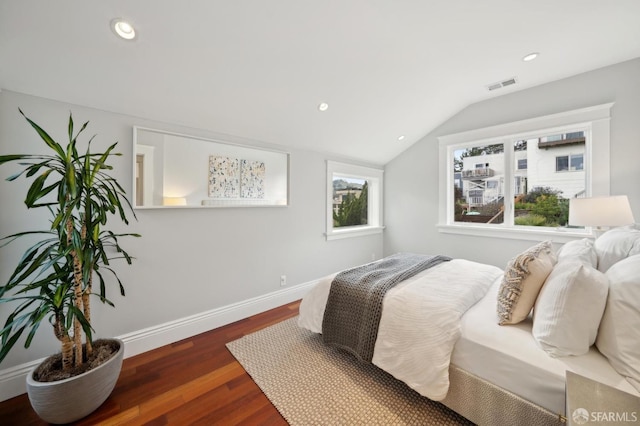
484, 403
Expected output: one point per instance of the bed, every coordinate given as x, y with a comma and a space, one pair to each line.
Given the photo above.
497, 368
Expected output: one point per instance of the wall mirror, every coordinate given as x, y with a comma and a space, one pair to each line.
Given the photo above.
175, 170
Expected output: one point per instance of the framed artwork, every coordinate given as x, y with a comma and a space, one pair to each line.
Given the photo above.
224, 176
252, 179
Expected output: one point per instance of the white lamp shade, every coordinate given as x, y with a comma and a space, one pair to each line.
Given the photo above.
600, 211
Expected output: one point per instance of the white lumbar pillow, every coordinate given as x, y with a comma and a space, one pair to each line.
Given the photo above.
569, 309
619, 334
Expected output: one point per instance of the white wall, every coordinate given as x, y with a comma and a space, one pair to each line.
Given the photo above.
189, 260
411, 179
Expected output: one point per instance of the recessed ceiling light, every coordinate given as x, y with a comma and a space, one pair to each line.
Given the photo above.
123, 29
323, 106
530, 56
400, 138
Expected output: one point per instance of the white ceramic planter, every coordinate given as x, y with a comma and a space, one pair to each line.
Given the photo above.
68, 400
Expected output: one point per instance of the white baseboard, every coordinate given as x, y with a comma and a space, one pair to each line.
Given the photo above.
13, 379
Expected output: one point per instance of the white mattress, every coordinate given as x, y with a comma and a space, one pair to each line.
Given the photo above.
508, 357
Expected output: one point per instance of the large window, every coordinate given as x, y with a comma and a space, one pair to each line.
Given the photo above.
354, 200
516, 179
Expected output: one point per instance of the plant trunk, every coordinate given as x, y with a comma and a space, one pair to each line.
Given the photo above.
67, 353
77, 291
65, 340
77, 326
87, 314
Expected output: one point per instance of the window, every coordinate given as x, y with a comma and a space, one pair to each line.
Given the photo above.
354, 200
540, 198
562, 163
528, 197
480, 198
576, 162
350, 201
522, 164
572, 162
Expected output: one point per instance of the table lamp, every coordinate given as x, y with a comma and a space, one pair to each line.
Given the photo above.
600, 211
174, 201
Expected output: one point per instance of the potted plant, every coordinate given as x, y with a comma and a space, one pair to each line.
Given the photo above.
54, 279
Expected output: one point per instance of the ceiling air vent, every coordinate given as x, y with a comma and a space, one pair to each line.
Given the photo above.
501, 84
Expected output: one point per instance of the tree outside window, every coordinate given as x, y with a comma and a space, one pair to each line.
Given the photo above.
354, 200
350, 202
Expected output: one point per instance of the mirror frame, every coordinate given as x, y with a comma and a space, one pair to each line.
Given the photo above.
253, 169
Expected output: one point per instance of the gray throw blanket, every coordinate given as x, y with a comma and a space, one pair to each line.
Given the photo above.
354, 306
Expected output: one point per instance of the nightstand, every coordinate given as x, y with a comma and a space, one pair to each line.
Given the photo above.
589, 402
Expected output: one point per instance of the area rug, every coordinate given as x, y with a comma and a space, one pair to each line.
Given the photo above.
312, 384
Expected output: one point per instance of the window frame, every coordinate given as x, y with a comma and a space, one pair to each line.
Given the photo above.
595, 121
375, 181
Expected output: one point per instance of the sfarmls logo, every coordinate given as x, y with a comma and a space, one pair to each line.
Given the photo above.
582, 416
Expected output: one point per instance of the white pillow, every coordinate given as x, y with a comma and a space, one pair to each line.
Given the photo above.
619, 334
615, 245
523, 278
581, 250
569, 309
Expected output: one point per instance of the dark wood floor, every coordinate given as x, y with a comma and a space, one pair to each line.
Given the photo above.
194, 381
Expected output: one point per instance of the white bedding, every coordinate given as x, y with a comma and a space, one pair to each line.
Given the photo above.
508, 357
420, 321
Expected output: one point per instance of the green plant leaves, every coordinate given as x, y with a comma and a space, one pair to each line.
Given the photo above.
80, 196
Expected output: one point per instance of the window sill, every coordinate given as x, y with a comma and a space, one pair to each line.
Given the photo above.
356, 231
557, 235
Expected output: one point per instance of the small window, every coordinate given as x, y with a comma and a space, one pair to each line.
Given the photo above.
522, 164
354, 200
577, 162
575, 135
562, 163
350, 201
552, 138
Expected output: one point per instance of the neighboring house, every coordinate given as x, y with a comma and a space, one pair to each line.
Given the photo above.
483, 179
340, 194
558, 162
553, 161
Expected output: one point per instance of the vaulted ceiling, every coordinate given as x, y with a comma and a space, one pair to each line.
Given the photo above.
259, 69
